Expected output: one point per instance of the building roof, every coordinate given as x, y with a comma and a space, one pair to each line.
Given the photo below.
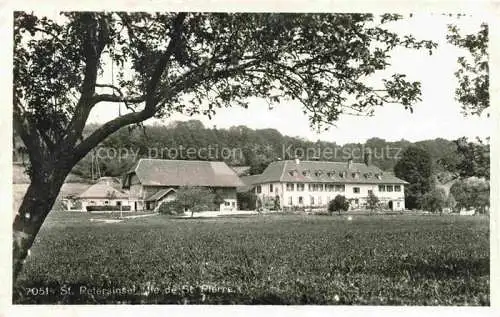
155, 172
111, 181
249, 182
102, 190
325, 172
160, 194
241, 170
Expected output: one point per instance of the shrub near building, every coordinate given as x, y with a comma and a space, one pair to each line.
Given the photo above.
339, 203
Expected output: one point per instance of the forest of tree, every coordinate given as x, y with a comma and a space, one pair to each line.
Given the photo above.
249, 147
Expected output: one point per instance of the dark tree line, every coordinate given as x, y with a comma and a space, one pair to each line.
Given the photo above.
254, 148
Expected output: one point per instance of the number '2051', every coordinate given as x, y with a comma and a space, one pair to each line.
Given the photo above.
36, 291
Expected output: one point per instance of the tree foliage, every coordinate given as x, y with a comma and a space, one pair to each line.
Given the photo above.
196, 63
339, 204
470, 159
195, 199
247, 200
435, 200
473, 71
471, 193
372, 201
415, 167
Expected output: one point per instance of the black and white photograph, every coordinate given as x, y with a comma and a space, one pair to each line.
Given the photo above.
250, 158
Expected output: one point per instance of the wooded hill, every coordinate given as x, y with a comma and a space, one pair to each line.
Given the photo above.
242, 146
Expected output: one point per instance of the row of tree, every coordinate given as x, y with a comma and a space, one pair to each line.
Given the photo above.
254, 148
468, 167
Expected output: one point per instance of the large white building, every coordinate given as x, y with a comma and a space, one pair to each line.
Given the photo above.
312, 184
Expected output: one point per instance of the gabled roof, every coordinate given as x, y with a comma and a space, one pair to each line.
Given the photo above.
102, 190
154, 172
249, 182
325, 172
160, 194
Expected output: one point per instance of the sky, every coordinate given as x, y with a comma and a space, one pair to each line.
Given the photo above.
437, 115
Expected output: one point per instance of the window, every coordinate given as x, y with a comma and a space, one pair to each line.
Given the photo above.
342, 174
320, 187
397, 188
355, 190
233, 204
312, 200
389, 188
329, 187
310, 187
106, 202
398, 204
290, 187
271, 188
356, 201
305, 173
118, 203
227, 203
292, 173
300, 187
259, 189
301, 200
381, 188
370, 191
340, 188
290, 202
353, 175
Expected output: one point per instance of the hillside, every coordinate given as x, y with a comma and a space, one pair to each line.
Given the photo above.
19, 176
241, 146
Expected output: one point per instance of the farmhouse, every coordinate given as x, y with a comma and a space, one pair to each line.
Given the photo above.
313, 184
105, 193
153, 181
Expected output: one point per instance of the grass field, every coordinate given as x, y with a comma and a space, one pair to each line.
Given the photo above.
379, 260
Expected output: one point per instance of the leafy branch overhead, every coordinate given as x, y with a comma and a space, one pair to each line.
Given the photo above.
473, 72
195, 63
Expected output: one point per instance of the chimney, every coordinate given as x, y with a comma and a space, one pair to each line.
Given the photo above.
368, 158
349, 163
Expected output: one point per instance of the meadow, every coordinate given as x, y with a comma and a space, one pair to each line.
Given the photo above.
265, 259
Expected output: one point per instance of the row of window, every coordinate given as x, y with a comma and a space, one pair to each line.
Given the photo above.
333, 174
319, 202
389, 188
329, 188
315, 187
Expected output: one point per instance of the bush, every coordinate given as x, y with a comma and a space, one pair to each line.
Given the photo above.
372, 202
247, 200
170, 208
339, 203
107, 208
195, 199
434, 200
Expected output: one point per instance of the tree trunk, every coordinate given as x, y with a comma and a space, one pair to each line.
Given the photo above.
36, 205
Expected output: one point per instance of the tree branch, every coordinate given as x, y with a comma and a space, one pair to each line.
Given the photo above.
114, 98
150, 98
92, 49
